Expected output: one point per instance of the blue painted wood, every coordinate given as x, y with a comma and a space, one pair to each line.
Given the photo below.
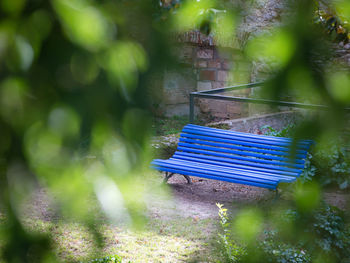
255, 145
219, 148
243, 148
258, 160
235, 165
244, 137
229, 171
200, 158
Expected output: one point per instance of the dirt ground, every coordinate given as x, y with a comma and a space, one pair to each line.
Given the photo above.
198, 200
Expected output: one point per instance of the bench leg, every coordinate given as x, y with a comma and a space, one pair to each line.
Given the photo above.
188, 179
277, 194
168, 175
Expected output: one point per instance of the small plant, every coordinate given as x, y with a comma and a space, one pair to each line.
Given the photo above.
169, 125
333, 234
333, 166
285, 132
231, 251
277, 251
329, 231
107, 259
223, 126
309, 171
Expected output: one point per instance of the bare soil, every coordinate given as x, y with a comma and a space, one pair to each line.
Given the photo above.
198, 200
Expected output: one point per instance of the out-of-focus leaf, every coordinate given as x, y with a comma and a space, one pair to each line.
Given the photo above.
224, 29
276, 48
64, 122
14, 101
188, 16
307, 197
12, 7
339, 86
84, 68
21, 54
84, 23
248, 224
123, 61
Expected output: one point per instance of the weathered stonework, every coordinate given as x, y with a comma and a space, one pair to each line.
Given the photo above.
211, 68
205, 53
201, 85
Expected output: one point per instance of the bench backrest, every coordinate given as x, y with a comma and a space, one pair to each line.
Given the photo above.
258, 153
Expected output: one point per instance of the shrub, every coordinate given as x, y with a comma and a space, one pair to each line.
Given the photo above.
333, 166
285, 132
280, 252
333, 235
324, 234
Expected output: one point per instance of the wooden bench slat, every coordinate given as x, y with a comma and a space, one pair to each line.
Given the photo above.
244, 153
220, 178
235, 161
216, 167
236, 142
246, 139
248, 135
226, 174
243, 148
249, 159
234, 165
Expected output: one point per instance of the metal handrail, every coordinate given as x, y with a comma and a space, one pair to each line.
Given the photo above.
210, 94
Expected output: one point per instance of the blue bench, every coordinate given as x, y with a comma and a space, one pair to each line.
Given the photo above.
237, 157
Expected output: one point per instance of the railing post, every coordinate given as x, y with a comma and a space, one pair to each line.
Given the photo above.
191, 108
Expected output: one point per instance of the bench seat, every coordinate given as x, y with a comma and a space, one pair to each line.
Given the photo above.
237, 157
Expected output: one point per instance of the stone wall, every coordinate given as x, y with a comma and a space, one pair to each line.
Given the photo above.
206, 67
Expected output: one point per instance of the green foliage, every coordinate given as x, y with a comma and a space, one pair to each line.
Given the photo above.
284, 132
332, 166
76, 82
280, 252
107, 259
329, 231
230, 250
333, 24
333, 235
309, 171
329, 165
168, 125
324, 232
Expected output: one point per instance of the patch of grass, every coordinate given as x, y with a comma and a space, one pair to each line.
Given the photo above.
169, 125
161, 240
223, 126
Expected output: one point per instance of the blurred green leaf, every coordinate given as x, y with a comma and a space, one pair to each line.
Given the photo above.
248, 224
84, 23
276, 48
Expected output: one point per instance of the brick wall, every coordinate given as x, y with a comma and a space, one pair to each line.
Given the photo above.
206, 68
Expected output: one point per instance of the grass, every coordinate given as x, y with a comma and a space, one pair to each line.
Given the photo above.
169, 125
161, 240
